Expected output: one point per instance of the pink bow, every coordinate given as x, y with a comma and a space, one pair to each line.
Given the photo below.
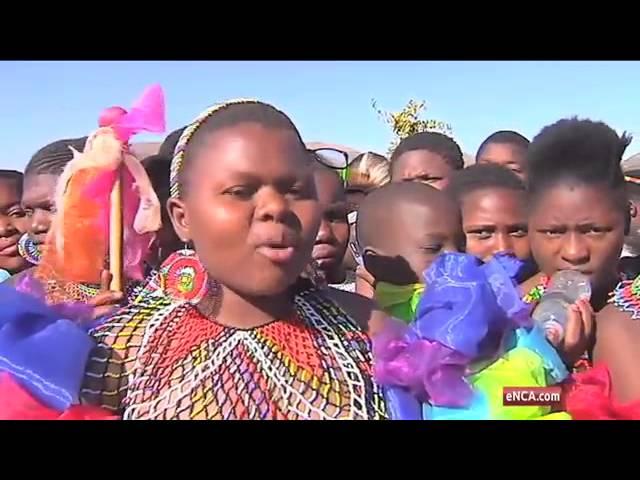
147, 114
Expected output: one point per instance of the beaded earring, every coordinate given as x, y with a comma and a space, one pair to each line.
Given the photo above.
29, 250
183, 277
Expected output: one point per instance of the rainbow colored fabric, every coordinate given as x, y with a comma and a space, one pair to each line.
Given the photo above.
399, 301
471, 337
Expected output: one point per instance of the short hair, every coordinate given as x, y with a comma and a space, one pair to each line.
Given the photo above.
157, 168
370, 170
387, 202
168, 147
578, 150
433, 142
480, 177
52, 158
509, 137
13, 176
230, 115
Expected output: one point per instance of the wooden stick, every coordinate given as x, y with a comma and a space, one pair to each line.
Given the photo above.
115, 235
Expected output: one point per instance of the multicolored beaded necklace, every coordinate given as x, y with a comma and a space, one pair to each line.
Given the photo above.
29, 250
184, 365
626, 297
536, 293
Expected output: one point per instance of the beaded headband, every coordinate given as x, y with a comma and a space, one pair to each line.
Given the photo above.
187, 135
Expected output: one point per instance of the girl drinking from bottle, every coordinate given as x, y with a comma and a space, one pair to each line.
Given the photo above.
578, 217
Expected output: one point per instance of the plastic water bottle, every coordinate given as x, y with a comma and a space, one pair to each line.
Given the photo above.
565, 288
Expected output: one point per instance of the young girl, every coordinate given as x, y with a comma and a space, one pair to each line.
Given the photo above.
492, 200
41, 176
38, 195
255, 347
579, 218
578, 209
333, 234
11, 224
506, 148
427, 157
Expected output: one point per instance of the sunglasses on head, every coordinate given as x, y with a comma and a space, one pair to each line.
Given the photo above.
332, 158
335, 159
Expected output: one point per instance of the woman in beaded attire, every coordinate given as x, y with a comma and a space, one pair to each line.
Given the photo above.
38, 194
252, 343
578, 208
578, 217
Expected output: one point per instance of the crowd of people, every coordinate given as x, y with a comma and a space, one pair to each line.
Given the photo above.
283, 286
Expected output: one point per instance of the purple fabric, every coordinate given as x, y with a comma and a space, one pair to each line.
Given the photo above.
428, 370
78, 312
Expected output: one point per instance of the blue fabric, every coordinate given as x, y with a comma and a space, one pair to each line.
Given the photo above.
475, 310
466, 302
478, 409
45, 352
536, 341
401, 404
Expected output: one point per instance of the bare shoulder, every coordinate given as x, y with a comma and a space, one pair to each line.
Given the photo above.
364, 311
613, 323
618, 346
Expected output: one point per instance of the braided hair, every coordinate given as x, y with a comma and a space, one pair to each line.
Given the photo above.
51, 159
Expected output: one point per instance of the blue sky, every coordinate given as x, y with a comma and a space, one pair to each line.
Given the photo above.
329, 101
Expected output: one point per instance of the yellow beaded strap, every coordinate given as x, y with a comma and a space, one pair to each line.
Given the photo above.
187, 135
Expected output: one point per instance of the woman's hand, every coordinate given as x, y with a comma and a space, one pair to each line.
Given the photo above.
106, 300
